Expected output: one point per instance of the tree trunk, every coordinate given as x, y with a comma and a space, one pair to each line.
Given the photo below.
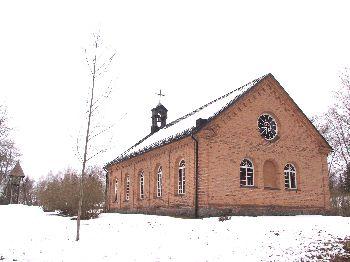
81, 193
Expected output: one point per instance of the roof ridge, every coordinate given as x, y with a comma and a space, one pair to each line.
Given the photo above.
213, 101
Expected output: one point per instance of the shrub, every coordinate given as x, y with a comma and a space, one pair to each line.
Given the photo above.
224, 218
61, 192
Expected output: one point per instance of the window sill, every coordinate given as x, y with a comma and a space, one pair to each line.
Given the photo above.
252, 187
292, 189
271, 188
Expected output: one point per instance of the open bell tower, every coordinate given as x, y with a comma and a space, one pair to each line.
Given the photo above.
159, 115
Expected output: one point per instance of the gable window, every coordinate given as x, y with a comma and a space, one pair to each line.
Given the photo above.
182, 168
159, 181
116, 190
246, 173
142, 185
127, 189
290, 181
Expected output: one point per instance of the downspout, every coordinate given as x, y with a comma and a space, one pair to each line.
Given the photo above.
196, 176
133, 187
106, 190
168, 191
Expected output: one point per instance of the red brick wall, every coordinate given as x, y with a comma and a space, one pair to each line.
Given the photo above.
168, 157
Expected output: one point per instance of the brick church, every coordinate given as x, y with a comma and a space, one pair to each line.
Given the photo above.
249, 152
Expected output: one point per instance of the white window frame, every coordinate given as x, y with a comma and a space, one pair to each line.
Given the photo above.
247, 169
127, 189
182, 177
290, 170
159, 181
116, 190
142, 185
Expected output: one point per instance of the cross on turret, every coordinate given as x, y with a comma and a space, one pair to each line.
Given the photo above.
160, 94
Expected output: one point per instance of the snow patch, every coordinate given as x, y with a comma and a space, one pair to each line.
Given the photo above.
29, 234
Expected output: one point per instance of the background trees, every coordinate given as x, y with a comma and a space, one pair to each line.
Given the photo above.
27, 192
335, 126
8, 153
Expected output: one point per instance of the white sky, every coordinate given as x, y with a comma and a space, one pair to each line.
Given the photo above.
193, 50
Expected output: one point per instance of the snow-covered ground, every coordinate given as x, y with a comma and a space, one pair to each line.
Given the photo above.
29, 234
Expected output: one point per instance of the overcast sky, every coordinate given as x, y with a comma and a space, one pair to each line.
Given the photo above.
194, 51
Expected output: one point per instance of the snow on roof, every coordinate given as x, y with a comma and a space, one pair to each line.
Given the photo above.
185, 125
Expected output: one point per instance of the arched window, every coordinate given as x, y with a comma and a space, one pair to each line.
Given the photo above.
159, 181
127, 188
290, 180
116, 190
182, 169
247, 173
142, 185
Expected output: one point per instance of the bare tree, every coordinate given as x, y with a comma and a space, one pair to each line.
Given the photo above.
26, 195
99, 64
335, 126
8, 153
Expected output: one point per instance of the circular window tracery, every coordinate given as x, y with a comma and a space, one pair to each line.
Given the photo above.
267, 126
